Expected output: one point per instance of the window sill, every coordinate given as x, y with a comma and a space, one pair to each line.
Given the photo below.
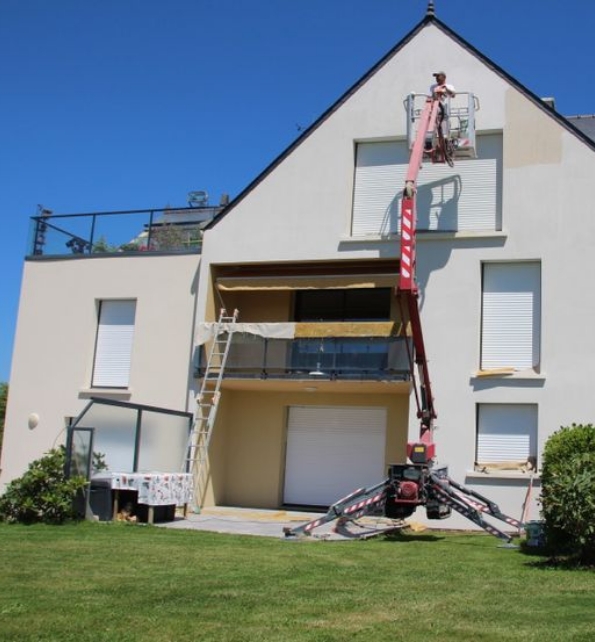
428, 235
502, 474
507, 374
388, 238
110, 393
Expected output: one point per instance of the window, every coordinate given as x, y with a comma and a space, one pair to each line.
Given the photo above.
466, 198
359, 304
506, 436
113, 346
511, 315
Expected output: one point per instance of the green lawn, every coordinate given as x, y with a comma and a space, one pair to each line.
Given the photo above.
116, 582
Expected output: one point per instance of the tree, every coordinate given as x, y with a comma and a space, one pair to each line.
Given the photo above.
3, 400
43, 493
568, 492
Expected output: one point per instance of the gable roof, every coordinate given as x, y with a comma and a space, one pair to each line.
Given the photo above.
586, 135
585, 124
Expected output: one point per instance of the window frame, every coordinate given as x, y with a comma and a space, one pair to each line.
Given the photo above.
511, 317
114, 342
522, 450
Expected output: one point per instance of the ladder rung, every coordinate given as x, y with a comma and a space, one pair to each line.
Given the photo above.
208, 397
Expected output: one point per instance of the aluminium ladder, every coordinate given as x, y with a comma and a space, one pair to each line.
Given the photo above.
207, 403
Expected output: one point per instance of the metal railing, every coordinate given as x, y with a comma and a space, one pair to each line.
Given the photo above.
158, 230
365, 358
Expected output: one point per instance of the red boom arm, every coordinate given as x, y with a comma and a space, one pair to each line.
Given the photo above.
424, 450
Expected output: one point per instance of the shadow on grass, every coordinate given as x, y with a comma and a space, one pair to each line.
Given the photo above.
400, 536
557, 563
540, 557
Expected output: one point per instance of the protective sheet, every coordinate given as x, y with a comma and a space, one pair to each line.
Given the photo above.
206, 331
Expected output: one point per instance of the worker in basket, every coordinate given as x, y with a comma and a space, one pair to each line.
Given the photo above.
442, 90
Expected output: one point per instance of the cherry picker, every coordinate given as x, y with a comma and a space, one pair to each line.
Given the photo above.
418, 482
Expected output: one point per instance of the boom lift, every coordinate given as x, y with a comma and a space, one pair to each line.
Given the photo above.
418, 482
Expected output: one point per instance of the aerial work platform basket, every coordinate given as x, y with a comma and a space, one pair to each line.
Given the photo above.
459, 123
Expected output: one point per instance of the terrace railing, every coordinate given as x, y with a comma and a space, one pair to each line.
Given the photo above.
157, 230
361, 358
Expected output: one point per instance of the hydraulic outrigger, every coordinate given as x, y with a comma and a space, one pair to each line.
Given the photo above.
417, 482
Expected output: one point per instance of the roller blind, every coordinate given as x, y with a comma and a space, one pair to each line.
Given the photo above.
332, 451
464, 198
511, 315
506, 433
113, 349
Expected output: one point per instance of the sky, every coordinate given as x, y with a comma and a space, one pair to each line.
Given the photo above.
131, 104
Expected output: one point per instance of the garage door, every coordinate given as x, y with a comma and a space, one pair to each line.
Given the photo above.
331, 451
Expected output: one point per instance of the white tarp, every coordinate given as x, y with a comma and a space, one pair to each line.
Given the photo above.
205, 332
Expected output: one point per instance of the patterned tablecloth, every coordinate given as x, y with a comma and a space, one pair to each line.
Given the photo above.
156, 489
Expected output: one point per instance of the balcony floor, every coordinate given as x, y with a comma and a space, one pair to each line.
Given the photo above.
316, 384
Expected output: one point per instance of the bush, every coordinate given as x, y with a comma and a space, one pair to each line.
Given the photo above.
42, 494
568, 492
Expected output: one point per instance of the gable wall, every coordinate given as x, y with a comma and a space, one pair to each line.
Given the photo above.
302, 210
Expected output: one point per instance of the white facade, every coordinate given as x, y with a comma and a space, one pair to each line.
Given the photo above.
525, 202
303, 209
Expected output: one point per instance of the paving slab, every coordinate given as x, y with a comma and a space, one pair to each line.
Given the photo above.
271, 523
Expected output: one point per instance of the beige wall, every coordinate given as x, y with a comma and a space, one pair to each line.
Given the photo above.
248, 447
55, 339
262, 307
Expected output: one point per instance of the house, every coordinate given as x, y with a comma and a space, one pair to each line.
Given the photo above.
317, 395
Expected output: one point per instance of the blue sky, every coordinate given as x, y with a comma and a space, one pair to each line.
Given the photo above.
131, 104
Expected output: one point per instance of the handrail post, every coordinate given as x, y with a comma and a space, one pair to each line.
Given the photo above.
150, 231
92, 235
265, 354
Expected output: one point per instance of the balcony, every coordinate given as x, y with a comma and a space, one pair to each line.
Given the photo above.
335, 358
163, 231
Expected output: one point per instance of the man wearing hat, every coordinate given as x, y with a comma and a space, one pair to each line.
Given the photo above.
441, 89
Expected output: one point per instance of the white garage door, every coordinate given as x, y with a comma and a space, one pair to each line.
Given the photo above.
332, 451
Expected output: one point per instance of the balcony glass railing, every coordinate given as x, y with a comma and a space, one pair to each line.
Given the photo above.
159, 230
369, 358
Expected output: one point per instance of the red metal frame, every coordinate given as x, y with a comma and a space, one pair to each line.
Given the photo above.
417, 483
424, 449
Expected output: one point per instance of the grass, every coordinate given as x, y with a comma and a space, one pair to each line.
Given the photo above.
121, 583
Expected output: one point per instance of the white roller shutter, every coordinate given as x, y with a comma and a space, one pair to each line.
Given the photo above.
113, 350
511, 315
332, 451
464, 198
506, 433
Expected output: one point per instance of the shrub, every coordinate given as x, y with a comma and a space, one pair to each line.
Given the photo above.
43, 493
568, 492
